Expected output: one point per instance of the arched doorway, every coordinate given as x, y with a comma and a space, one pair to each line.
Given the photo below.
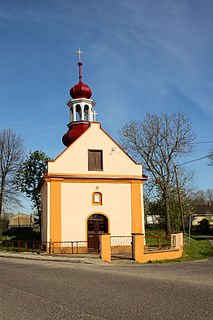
96, 224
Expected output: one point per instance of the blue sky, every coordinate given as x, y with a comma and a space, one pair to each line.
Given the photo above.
140, 56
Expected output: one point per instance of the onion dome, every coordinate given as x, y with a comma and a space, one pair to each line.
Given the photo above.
80, 90
74, 132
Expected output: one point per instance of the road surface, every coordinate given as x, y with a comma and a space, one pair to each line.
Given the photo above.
35, 290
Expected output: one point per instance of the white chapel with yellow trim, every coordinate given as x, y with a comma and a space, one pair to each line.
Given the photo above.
93, 186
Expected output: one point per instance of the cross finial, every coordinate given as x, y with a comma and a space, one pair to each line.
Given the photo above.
79, 53
95, 114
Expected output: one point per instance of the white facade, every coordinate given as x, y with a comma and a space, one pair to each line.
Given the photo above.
77, 206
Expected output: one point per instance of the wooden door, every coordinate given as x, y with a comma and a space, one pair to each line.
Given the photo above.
97, 224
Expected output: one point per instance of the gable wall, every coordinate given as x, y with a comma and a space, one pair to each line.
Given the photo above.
74, 160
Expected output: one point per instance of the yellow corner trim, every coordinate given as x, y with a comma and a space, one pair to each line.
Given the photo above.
55, 210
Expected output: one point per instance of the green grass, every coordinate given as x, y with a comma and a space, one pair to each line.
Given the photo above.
15, 250
157, 238
155, 232
197, 249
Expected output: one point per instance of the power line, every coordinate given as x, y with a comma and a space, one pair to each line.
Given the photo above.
199, 142
197, 159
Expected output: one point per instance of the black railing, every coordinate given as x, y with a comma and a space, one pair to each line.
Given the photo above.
63, 247
160, 242
71, 247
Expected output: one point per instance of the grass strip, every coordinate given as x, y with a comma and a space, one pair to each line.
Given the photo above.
197, 249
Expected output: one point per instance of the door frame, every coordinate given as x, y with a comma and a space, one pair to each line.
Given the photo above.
87, 218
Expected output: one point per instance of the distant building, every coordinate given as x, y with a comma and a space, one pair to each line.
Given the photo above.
202, 212
152, 220
21, 221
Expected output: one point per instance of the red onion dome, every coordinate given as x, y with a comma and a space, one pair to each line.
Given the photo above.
74, 132
80, 90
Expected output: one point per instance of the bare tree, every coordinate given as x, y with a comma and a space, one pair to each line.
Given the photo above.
159, 141
209, 195
11, 157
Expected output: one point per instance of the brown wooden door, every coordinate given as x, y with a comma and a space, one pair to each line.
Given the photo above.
97, 224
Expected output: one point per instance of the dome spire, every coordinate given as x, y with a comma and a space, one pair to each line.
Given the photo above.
81, 109
79, 63
80, 76
80, 90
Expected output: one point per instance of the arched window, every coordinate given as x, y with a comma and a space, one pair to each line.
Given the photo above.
71, 114
86, 109
97, 198
78, 112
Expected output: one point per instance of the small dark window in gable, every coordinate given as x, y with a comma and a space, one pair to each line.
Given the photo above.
95, 160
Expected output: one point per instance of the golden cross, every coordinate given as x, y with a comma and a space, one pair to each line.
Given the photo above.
79, 52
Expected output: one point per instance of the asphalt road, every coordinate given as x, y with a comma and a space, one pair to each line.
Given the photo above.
52, 290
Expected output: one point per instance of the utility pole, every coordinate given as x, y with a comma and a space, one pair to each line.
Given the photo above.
179, 199
190, 221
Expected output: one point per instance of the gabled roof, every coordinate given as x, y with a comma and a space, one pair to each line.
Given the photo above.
204, 209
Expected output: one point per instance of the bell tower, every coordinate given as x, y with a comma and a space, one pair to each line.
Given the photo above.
81, 109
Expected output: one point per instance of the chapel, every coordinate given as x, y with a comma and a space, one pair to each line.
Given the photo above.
93, 186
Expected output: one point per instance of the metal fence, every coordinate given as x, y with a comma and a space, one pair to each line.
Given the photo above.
23, 246
71, 247
121, 247
160, 243
64, 247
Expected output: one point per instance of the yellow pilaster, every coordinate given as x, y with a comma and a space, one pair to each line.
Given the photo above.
55, 210
136, 207
106, 247
138, 247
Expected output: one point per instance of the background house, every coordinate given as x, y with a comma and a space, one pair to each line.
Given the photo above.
21, 221
203, 212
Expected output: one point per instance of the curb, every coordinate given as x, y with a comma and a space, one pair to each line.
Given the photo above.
55, 259
74, 260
